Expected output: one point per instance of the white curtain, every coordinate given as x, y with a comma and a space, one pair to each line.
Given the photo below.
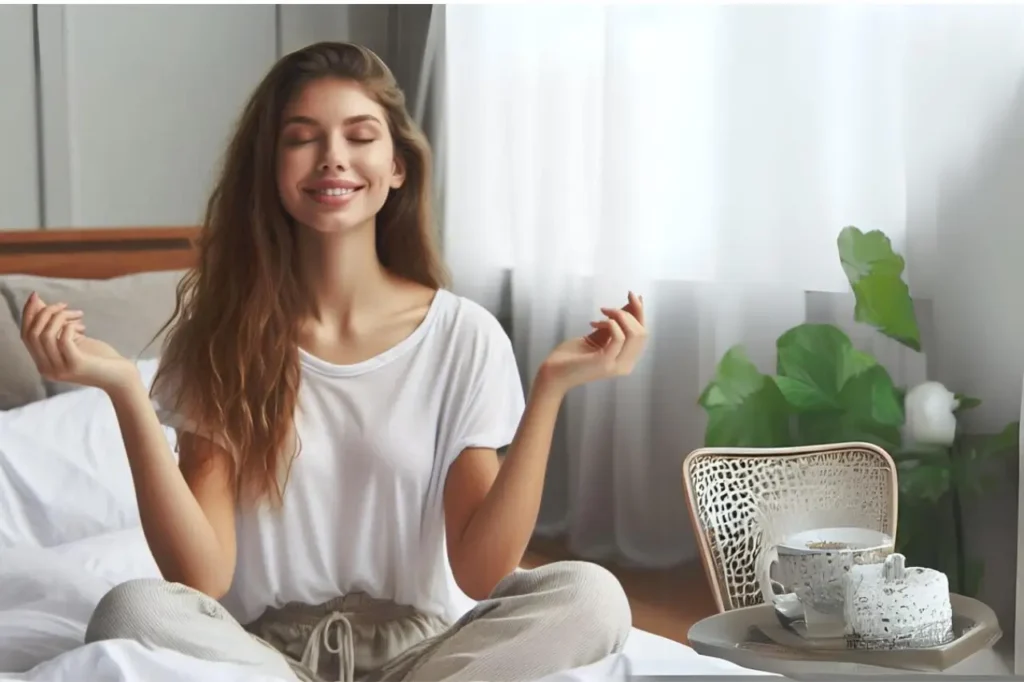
706, 157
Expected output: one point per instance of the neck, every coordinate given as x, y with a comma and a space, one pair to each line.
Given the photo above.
343, 274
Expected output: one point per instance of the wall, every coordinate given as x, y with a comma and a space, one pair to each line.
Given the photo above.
137, 102
980, 322
19, 162
150, 96
369, 25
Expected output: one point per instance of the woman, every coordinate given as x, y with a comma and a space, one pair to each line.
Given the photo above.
338, 413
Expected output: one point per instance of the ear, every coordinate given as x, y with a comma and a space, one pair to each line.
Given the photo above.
397, 172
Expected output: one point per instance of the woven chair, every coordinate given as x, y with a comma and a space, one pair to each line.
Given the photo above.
731, 491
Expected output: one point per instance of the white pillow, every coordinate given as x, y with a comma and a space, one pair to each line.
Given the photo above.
64, 474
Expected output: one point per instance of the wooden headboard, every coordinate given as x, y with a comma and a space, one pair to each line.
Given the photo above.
96, 253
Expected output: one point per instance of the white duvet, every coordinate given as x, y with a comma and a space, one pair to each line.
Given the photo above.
69, 532
47, 594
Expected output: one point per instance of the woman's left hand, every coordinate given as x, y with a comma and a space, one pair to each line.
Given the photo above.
611, 350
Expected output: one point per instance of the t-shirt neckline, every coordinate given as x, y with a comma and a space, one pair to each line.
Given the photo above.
317, 364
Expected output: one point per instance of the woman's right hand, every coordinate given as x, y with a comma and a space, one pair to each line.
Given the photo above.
55, 338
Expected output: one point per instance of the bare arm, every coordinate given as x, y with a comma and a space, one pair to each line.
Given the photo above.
187, 513
491, 511
490, 514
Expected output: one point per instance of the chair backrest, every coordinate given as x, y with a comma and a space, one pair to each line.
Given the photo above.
732, 491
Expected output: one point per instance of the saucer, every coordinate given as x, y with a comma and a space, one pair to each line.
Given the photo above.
972, 621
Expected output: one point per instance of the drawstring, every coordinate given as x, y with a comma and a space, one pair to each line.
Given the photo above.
356, 630
343, 646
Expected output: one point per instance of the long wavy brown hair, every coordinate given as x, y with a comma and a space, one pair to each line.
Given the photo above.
230, 357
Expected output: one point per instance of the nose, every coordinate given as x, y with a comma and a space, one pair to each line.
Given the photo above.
336, 154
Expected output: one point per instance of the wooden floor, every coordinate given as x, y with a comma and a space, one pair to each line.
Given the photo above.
665, 602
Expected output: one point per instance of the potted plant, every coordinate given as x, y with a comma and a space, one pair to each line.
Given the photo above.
824, 390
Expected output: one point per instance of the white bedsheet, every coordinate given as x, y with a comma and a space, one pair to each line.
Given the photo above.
47, 594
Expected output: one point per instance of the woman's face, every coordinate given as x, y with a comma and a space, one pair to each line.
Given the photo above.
336, 161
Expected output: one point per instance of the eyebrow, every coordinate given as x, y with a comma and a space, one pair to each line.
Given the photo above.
351, 120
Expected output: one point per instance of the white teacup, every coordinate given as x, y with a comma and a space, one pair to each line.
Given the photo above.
811, 566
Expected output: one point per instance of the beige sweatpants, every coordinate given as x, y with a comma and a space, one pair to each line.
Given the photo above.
535, 623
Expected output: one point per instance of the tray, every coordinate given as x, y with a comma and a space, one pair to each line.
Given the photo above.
757, 630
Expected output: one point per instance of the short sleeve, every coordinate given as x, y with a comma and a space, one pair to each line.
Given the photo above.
492, 400
166, 398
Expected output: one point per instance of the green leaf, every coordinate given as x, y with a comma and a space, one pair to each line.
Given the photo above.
874, 392
869, 412
966, 402
821, 357
971, 470
924, 480
838, 392
875, 273
803, 397
744, 407
1006, 442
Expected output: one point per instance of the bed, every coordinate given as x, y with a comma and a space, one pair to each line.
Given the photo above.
69, 527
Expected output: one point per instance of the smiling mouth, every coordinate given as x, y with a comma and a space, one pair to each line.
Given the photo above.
333, 191
333, 197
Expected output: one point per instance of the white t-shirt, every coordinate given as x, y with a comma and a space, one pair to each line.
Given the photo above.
362, 508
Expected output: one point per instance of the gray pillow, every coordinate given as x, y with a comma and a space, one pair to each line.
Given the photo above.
126, 312
20, 383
